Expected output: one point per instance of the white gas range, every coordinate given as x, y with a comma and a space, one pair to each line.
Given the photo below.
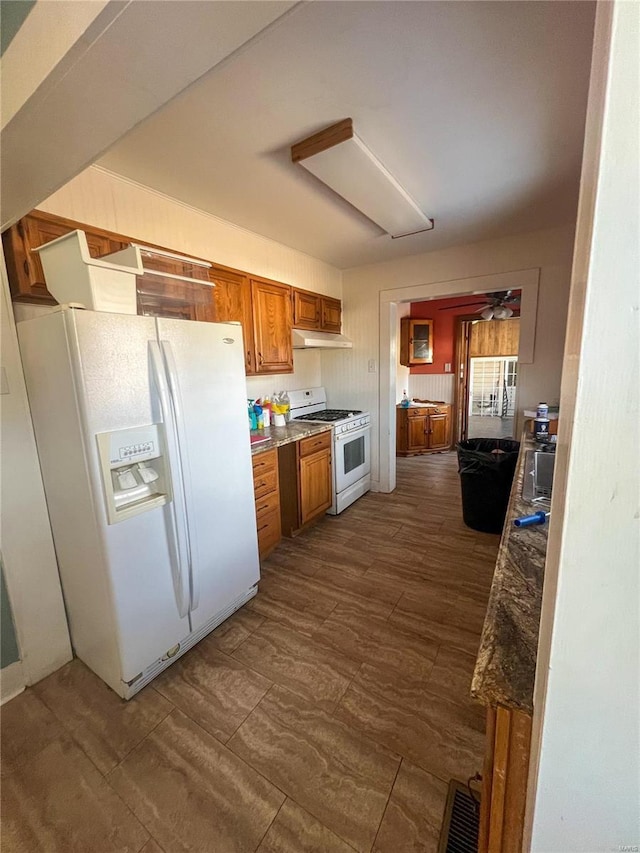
351, 453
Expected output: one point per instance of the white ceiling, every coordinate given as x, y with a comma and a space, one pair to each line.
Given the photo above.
477, 108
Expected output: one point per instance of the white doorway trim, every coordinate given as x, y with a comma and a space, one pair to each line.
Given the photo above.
525, 280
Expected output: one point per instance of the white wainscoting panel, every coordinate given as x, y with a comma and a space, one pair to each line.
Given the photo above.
432, 386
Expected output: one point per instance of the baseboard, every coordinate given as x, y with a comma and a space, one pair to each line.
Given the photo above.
11, 681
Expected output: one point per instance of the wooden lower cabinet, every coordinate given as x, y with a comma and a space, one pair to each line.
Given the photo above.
305, 481
267, 497
423, 430
504, 780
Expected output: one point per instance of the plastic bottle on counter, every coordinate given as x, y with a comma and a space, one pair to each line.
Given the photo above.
253, 421
257, 409
286, 403
266, 411
405, 402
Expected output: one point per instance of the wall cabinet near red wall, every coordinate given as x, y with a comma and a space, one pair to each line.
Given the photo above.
416, 341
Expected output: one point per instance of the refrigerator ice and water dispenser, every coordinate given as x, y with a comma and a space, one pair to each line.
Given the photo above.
134, 473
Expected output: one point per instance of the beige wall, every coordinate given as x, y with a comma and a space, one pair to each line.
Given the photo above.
346, 374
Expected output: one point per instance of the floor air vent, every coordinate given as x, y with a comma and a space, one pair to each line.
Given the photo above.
459, 832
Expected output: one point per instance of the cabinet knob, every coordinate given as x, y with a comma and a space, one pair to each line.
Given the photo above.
260, 358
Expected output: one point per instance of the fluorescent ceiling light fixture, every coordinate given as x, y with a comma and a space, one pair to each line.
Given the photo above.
341, 160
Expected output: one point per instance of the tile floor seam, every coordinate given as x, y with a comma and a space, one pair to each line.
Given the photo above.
275, 817
361, 735
226, 746
336, 704
413, 759
148, 734
244, 760
386, 805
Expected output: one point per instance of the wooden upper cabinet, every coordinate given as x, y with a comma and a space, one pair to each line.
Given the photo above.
161, 296
232, 297
306, 309
416, 341
272, 326
26, 276
316, 312
331, 316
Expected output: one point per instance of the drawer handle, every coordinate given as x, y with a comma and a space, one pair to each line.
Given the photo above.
259, 485
264, 527
264, 506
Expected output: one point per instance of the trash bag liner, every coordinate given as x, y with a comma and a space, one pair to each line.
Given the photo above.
486, 467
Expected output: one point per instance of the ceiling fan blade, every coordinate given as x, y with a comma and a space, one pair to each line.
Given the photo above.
464, 305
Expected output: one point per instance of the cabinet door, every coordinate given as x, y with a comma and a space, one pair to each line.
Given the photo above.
315, 485
26, 276
272, 326
438, 431
417, 432
416, 341
166, 297
331, 314
232, 297
420, 342
306, 310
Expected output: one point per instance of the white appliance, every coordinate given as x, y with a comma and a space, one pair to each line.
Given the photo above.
351, 445
141, 430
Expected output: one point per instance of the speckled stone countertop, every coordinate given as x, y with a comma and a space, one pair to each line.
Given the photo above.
293, 431
506, 665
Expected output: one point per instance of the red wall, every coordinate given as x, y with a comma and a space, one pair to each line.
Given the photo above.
444, 345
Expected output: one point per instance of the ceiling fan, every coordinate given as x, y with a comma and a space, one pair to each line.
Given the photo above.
494, 306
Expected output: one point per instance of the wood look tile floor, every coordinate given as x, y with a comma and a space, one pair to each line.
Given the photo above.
325, 717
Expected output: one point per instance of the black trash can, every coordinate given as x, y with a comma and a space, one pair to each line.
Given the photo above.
486, 467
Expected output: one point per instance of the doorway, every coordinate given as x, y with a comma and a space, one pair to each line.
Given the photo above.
384, 434
487, 364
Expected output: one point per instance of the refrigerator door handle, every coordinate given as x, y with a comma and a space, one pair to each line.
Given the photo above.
180, 563
176, 398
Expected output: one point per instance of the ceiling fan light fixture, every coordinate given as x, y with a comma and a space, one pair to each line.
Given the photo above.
487, 313
342, 161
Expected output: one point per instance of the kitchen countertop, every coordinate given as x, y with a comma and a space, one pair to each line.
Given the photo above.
293, 431
506, 665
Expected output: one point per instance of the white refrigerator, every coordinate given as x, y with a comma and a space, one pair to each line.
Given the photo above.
142, 435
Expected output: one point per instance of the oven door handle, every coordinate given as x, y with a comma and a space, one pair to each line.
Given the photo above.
355, 433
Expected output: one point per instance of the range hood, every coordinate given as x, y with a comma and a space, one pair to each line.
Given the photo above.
304, 339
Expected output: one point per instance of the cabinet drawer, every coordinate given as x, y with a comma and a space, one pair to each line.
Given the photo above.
262, 462
265, 482
266, 504
417, 413
268, 532
315, 443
